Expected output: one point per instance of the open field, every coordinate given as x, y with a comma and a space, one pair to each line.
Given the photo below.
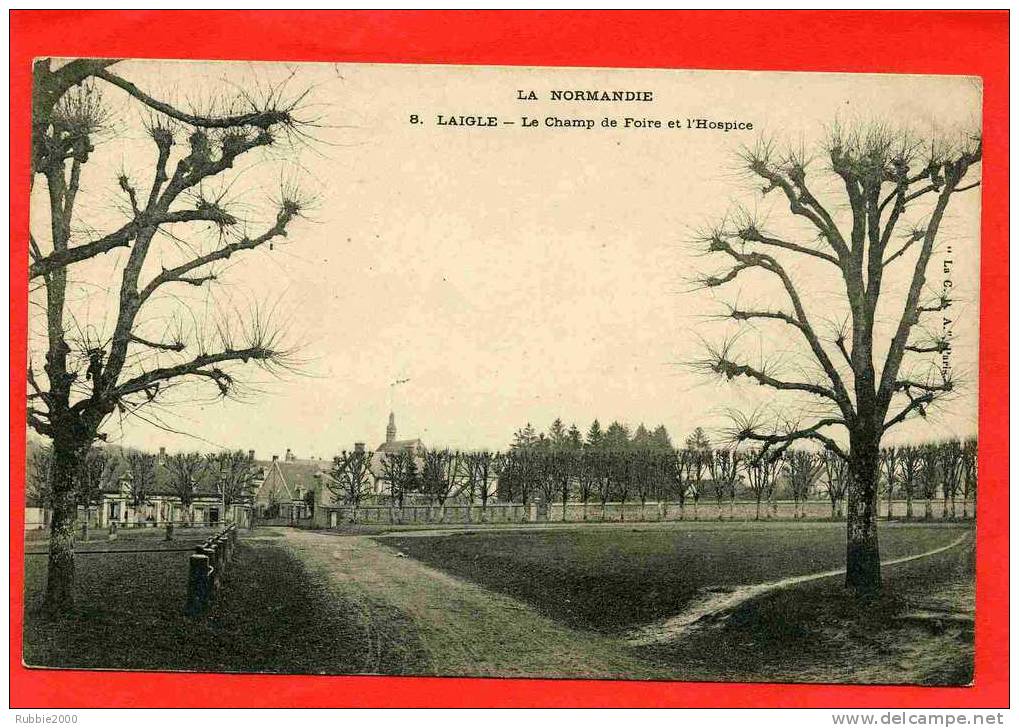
272, 616
919, 631
611, 580
538, 601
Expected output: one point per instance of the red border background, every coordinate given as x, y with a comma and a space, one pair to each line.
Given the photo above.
970, 42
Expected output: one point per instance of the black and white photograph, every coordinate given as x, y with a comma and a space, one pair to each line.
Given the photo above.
491, 371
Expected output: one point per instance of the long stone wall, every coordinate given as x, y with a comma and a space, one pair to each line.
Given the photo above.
704, 510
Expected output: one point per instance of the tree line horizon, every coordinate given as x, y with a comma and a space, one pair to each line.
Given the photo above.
563, 465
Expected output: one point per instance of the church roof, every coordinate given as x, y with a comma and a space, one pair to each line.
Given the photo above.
400, 445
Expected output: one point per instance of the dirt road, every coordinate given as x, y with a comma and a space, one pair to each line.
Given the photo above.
456, 628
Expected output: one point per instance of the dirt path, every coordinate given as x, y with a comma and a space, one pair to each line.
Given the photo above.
715, 605
460, 628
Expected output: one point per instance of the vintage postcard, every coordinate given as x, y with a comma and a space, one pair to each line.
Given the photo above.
502, 371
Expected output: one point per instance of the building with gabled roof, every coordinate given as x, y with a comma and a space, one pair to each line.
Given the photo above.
286, 485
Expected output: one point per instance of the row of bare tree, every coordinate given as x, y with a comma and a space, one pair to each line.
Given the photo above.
232, 474
587, 474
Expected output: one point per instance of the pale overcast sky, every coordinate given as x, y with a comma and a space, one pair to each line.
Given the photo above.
512, 274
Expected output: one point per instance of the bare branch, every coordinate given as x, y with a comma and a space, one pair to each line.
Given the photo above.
785, 439
722, 365
123, 236
178, 273
196, 366
262, 119
177, 346
753, 235
767, 262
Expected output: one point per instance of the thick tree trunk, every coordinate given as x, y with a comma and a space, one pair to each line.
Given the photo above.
863, 559
909, 506
59, 598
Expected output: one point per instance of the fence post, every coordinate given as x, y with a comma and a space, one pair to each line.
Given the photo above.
199, 586
214, 576
221, 554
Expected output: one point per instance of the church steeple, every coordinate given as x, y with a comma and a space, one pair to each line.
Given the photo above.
391, 428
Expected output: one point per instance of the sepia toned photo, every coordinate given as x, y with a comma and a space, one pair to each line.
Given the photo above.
502, 372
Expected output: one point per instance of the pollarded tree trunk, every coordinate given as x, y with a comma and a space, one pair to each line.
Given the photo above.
863, 559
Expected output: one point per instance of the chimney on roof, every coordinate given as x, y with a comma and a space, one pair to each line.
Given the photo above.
251, 454
358, 447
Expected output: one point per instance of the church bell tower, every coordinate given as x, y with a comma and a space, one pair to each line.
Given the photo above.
391, 428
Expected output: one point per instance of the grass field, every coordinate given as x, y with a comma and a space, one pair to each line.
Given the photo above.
271, 617
815, 633
610, 580
539, 602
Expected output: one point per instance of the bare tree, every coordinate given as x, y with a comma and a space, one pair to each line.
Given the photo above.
172, 235
97, 470
803, 468
890, 196
186, 470
40, 460
951, 475
643, 469
565, 464
836, 476
603, 463
930, 477
699, 448
680, 465
350, 477
890, 466
588, 476
441, 472
909, 469
479, 467
724, 467
761, 467
141, 473
547, 475
969, 474
236, 475
399, 472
